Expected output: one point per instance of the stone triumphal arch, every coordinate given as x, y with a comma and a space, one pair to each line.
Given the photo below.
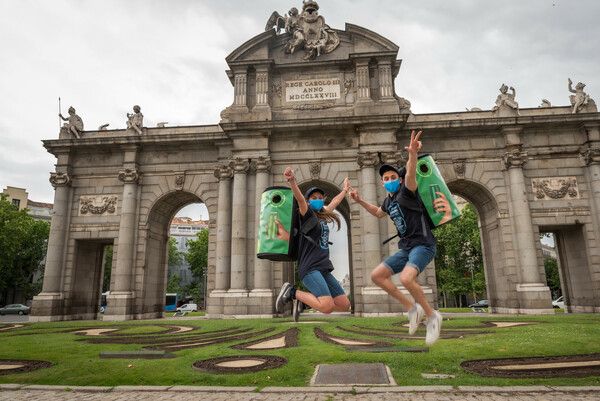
324, 102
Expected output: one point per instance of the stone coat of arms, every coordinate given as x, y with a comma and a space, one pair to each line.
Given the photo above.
308, 30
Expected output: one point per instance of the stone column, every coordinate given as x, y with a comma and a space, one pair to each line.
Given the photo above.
534, 295
262, 110
591, 158
363, 82
240, 83
262, 268
368, 191
120, 300
223, 252
386, 87
239, 225
58, 229
47, 306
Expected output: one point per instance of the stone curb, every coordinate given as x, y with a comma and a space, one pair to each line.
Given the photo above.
212, 389
141, 388
326, 390
503, 389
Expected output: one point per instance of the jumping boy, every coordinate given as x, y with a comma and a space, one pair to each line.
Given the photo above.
417, 243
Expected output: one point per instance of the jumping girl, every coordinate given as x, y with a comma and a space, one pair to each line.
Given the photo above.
314, 267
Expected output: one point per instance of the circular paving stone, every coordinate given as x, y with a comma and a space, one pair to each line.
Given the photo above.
239, 364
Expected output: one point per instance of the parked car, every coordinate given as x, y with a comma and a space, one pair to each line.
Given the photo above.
481, 304
188, 308
15, 309
558, 303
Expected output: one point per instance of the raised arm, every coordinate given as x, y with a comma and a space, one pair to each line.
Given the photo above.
335, 202
411, 166
291, 179
374, 210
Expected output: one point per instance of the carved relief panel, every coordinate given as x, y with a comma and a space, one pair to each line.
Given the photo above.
555, 188
98, 205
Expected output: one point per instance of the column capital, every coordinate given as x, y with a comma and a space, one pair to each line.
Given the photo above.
129, 175
239, 165
394, 158
262, 164
367, 159
223, 172
60, 179
591, 155
514, 158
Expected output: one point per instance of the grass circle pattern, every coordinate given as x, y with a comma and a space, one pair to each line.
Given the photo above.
539, 367
239, 364
22, 365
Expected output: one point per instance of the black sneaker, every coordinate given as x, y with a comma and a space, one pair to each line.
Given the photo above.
285, 296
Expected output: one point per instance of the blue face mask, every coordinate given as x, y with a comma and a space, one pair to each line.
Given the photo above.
392, 186
316, 204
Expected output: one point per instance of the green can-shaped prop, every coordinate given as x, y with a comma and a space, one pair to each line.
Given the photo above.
434, 192
275, 227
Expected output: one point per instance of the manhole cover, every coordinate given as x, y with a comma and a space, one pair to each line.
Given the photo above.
353, 374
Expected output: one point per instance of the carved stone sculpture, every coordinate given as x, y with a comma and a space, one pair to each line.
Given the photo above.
506, 102
98, 205
555, 188
580, 101
135, 120
74, 124
545, 103
308, 30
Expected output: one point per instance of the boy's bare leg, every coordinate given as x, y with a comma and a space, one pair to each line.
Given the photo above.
408, 278
381, 276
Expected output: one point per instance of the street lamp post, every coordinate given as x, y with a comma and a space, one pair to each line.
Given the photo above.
471, 268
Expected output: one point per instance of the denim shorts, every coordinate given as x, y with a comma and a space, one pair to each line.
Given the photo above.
418, 257
322, 284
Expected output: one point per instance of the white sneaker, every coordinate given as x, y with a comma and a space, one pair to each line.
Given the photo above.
434, 326
415, 315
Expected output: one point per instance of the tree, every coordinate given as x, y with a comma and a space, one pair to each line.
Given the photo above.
552, 276
459, 251
174, 284
23, 245
197, 257
175, 257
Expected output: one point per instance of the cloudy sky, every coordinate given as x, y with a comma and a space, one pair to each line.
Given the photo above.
168, 56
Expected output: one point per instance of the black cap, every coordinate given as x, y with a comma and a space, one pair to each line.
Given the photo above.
389, 167
314, 189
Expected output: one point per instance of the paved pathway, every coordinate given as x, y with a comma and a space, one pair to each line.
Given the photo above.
442, 393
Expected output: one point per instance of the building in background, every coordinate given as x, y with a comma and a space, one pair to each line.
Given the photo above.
184, 229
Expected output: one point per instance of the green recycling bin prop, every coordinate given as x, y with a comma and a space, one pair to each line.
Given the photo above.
432, 187
276, 206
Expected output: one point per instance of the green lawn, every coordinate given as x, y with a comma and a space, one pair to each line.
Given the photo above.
77, 362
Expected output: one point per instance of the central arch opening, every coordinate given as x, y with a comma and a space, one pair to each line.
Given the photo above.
162, 245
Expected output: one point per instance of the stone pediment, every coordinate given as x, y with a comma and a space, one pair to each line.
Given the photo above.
269, 47
352, 74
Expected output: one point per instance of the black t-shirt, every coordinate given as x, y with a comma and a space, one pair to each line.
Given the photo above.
411, 224
314, 257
